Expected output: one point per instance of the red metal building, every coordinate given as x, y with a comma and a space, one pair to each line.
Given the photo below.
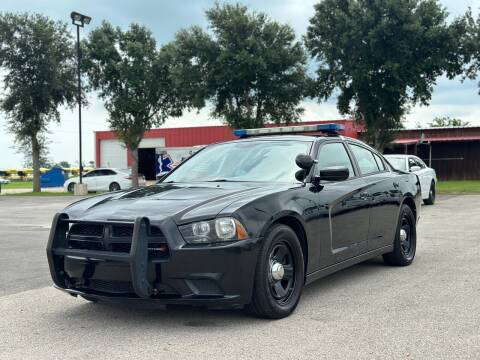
454, 152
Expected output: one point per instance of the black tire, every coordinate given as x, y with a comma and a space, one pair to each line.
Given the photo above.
114, 186
70, 187
277, 298
404, 246
431, 195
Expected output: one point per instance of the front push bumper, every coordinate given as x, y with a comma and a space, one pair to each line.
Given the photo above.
208, 276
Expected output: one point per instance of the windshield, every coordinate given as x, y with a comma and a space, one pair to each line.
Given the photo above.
397, 163
265, 160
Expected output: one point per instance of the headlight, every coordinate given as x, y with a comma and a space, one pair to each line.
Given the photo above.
213, 231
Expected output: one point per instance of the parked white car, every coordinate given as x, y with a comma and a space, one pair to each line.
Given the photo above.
4, 181
427, 175
105, 179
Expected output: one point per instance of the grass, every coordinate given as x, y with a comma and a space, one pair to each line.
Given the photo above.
18, 185
458, 187
42, 193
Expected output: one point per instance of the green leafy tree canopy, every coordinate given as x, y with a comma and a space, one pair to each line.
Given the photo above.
64, 164
471, 45
37, 55
444, 121
250, 68
382, 56
133, 78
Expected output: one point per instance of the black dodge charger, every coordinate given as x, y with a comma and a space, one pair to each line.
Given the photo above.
246, 223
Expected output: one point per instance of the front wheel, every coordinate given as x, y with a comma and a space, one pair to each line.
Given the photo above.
405, 244
279, 274
431, 195
114, 186
71, 187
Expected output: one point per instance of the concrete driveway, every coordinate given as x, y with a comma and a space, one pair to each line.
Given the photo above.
430, 310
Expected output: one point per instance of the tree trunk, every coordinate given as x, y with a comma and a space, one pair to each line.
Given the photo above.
36, 163
134, 153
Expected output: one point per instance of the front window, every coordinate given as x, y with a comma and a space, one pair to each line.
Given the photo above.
263, 160
91, 173
334, 154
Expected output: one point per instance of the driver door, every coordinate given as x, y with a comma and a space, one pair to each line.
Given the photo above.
346, 204
90, 179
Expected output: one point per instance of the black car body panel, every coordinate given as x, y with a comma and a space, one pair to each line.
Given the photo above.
127, 245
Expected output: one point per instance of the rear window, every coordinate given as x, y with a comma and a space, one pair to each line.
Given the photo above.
397, 163
379, 162
365, 160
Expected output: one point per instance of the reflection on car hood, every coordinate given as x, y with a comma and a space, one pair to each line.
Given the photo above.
184, 202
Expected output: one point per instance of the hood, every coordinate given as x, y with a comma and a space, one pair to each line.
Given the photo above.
183, 202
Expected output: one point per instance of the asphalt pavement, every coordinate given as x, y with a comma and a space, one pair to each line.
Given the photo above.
429, 310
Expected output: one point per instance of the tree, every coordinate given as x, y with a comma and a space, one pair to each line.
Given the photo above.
25, 146
64, 164
471, 45
443, 121
250, 68
383, 56
37, 56
133, 78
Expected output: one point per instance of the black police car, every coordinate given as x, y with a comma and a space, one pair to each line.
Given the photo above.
242, 223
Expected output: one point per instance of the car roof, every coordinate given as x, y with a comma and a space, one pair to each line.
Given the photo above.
403, 156
277, 138
297, 138
306, 138
105, 168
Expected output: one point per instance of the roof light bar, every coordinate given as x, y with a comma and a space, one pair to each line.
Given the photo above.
330, 128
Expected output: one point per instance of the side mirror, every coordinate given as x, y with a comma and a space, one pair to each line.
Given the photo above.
334, 173
304, 161
415, 168
300, 175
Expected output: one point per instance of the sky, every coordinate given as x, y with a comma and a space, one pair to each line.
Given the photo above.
165, 17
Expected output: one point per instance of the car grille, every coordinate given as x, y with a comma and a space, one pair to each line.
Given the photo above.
87, 230
122, 231
115, 238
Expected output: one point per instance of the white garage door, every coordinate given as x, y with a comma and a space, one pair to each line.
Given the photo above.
113, 154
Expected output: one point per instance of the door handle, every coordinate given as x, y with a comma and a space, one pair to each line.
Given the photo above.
396, 184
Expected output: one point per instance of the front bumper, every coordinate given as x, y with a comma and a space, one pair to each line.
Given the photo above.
213, 275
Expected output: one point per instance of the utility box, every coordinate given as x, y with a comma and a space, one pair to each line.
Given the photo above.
80, 190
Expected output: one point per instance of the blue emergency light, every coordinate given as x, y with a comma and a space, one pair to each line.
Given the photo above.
329, 129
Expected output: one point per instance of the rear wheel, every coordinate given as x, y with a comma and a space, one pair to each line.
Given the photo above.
114, 186
279, 274
71, 187
431, 195
405, 243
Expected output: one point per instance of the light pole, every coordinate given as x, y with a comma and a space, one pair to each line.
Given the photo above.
79, 21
